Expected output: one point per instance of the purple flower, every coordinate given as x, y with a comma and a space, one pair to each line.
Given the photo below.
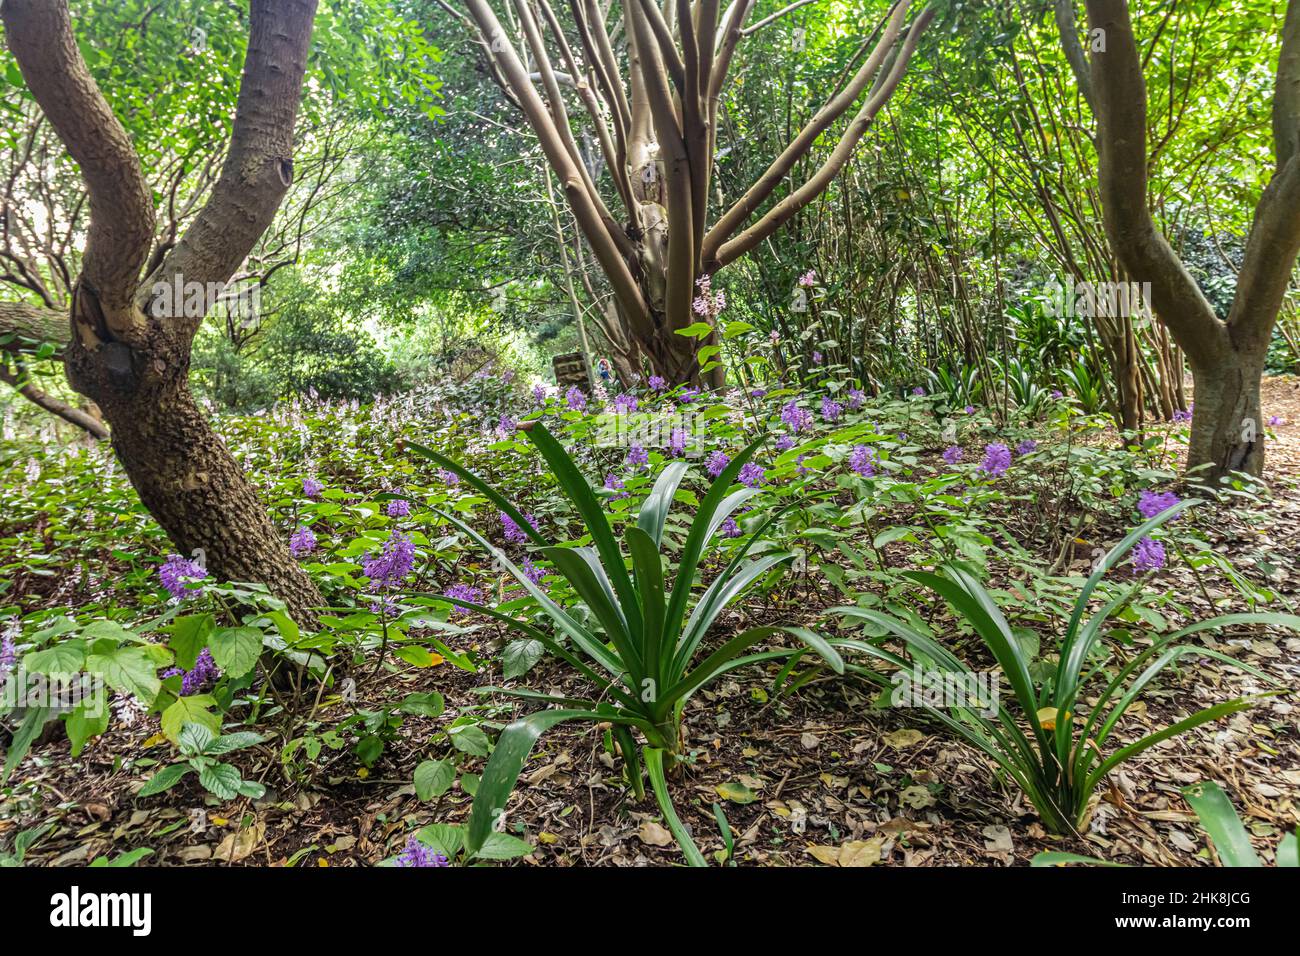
997, 459
817, 358
1274, 420
204, 675
506, 425
311, 487
856, 398
795, 418
799, 462
716, 462
614, 483
1149, 555
626, 402
176, 572
729, 528
387, 568
831, 409
1183, 415
539, 394
398, 508
863, 460
637, 457
970, 409
463, 592
513, 532
1151, 504
751, 474
785, 443
1026, 446
918, 390
576, 399
952, 454
657, 383
677, 442
449, 478
1057, 394
688, 395
757, 393
8, 655
417, 854
531, 571
302, 541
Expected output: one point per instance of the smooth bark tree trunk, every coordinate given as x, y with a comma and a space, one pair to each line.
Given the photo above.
1227, 423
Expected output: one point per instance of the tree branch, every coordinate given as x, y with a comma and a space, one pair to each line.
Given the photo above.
259, 163
39, 33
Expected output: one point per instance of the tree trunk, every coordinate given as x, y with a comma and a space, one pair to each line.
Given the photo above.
182, 470
1227, 426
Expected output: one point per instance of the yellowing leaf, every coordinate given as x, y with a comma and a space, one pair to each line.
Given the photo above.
906, 737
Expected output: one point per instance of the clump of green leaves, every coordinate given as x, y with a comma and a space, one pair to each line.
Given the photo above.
640, 649
201, 748
1054, 748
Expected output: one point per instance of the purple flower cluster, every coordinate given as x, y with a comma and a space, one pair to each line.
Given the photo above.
416, 853
539, 394
863, 460
531, 571
576, 399
8, 655
1026, 446
688, 395
918, 390
795, 418
614, 483
204, 675
751, 474
716, 462
463, 592
311, 487
637, 457
626, 402
785, 443
449, 478
398, 508
391, 565
1183, 415
831, 409
657, 383
677, 442
176, 572
856, 399
729, 528
952, 454
1149, 555
997, 459
514, 533
1151, 503
302, 541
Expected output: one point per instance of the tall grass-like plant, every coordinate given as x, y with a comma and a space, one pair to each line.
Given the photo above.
1055, 747
643, 654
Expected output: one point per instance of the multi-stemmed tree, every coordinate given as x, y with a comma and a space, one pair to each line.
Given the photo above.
129, 347
649, 75
1226, 357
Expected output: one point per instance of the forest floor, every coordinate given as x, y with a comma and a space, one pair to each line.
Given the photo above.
828, 778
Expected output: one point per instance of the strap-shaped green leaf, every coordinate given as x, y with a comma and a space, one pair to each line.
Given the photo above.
654, 510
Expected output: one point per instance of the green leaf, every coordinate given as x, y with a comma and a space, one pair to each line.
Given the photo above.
66, 657
1221, 822
236, 649
186, 710
195, 738
429, 704
128, 670
164, 779
470, 739
88, 719
518, 657
499, 776
229, 743
433, 778
221, 779
503, 846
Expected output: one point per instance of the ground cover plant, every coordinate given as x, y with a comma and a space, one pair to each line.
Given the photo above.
491, 434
